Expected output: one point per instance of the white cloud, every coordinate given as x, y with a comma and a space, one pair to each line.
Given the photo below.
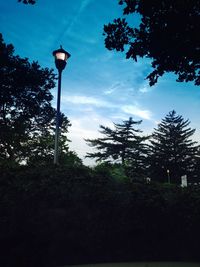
109, 91
85, 127
86, 100
112, 88
144, 89
89, 101
137, 111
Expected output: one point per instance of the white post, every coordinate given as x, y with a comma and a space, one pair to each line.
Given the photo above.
184, 181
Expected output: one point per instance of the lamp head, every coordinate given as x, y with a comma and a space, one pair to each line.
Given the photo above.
61, 57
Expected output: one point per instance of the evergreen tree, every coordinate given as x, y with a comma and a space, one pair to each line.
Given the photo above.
173, 153
27, 119
196, 177
122, 144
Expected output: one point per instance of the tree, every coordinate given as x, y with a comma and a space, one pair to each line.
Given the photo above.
27, 117
42, 146
196, 176
123, 144
32, 2
168, 34
173, 153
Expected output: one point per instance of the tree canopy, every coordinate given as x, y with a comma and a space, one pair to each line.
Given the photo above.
169, 153
123, 145
32, 2
173, 151
168, 34
27, 118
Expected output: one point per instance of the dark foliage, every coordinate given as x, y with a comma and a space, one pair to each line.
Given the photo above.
27, 119
58, 216
123, 144
118, 143
172, 150
197, 168
32, 2
168, 34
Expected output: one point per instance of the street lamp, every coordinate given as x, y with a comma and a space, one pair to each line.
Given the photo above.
61, 57
168, 176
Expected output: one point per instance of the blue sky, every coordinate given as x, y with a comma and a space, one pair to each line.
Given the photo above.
98, 86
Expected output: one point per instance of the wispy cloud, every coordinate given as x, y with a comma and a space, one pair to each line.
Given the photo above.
144, 89
137, 111
86, 100
85, 128
104, 57
68, 28
133, 109
83, 5
121, 88
112, 88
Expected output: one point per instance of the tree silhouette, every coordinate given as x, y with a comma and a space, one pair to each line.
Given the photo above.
173, 152
32, 2
42, 144
168, 34
27, 117
123, 144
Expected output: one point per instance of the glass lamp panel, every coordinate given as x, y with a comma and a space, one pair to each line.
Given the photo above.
61, 56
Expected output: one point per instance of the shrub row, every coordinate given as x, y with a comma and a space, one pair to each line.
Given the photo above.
57, 216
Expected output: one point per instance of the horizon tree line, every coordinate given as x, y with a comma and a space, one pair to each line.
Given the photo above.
168, 151
27, 124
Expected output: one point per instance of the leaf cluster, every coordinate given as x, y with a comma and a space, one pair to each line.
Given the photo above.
119, 144
32, 2
27, 118
167, 34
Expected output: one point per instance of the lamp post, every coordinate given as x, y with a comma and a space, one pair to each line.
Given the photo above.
61, 57
168, 176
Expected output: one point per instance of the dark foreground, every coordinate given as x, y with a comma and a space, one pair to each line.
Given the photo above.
65, 216
142, 264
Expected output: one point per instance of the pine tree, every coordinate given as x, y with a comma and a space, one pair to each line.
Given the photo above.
122, 144
173, 153
196, 177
